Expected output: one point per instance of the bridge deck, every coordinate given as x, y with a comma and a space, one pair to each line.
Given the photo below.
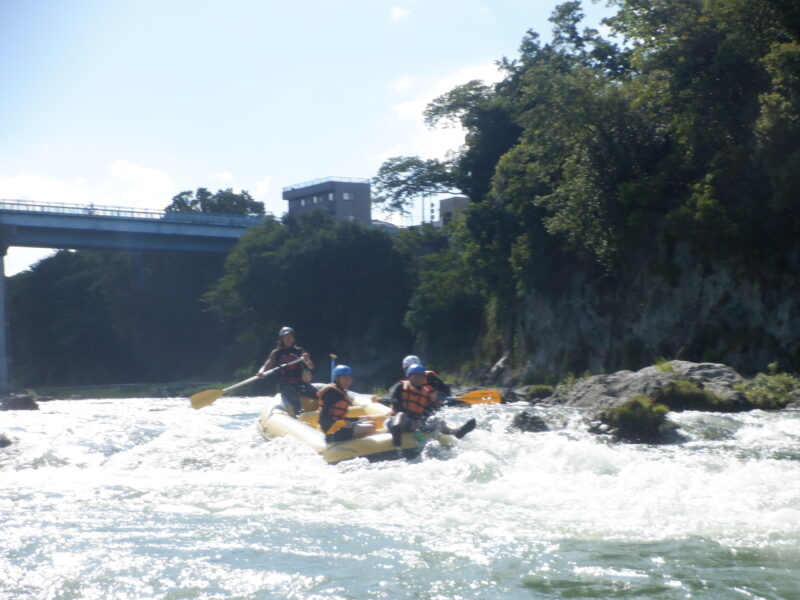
54, 225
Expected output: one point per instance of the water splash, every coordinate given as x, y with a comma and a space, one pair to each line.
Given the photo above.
147, 498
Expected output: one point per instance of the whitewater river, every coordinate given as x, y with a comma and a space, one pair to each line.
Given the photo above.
147, 498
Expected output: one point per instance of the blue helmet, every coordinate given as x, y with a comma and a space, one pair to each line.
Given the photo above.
285, 331
342, 370
415, 368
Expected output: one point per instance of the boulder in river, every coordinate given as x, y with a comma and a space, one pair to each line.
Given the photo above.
526, 421
4, 441
19, 402
710, 385
639, 420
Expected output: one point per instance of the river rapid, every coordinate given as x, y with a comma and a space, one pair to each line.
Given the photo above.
147, 498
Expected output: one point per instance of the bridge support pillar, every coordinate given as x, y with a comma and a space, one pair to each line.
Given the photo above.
5, 371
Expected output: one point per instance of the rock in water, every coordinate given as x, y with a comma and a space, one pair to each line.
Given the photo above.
526, 421
604, 392
18, 402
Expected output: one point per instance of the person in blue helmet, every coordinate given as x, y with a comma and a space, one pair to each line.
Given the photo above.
413, 403
432, 379
291, 379
333, 405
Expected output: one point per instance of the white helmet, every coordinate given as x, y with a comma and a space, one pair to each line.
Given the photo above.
410, 360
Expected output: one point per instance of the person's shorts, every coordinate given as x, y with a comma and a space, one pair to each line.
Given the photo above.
424, 424
345, 433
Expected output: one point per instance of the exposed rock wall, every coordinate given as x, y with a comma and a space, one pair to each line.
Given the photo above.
723, 311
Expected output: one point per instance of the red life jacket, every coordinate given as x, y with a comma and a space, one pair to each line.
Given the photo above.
333, 411
293, 373
415, 401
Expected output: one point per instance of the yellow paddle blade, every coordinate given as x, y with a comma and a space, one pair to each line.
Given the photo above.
481, 397
205, 398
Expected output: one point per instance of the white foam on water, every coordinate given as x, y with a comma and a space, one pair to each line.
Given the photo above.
148, 498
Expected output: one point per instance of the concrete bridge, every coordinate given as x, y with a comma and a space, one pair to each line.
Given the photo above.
82, 227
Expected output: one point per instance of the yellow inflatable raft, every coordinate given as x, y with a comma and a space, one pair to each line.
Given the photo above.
275, 421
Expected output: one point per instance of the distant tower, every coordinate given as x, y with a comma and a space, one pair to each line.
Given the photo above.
345, 199
450, 208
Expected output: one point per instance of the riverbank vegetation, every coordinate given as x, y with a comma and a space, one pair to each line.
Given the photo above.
602, 171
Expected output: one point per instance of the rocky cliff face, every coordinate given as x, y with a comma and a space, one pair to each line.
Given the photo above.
721, 311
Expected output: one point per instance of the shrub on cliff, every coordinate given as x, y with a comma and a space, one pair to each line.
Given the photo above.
638, 420
538, 392
770, 390
681, 395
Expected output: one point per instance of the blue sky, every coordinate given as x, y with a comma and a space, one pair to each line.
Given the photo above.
129, 102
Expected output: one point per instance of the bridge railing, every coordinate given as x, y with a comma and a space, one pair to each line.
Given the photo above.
122, 212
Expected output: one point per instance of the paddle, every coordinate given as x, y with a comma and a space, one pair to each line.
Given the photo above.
208, 396
473, 397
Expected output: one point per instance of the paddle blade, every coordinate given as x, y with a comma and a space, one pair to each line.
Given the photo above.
205, 398
481, 397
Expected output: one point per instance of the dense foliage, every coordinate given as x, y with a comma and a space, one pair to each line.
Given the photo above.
595, 152
137, 316
343, 287
224, 202
93, 317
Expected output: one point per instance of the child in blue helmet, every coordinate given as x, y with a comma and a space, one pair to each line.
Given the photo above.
412, 405
333, 405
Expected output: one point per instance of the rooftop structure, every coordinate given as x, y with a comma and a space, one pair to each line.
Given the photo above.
345, 199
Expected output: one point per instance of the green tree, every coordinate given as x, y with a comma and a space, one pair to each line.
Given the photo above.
343, 287
224, 202
403, 178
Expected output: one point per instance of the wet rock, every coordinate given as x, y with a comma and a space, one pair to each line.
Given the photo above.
640, 421
539, 393
515, 395
526, 421
19, 402
605, 392
4, 441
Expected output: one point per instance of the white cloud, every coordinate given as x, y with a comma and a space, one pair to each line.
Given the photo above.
402, 83
262, 188
398, 13
144, 187
223, 176
435, 143
261, 193
44, 188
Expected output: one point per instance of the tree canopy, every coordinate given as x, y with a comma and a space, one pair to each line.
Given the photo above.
224, 202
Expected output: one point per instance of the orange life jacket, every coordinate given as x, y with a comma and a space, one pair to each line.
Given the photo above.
415, 401
337, 410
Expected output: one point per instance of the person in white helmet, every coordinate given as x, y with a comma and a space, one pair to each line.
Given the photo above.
291, 381
432, 380
413, 404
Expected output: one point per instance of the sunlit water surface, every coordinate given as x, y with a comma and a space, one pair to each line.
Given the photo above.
147, 498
